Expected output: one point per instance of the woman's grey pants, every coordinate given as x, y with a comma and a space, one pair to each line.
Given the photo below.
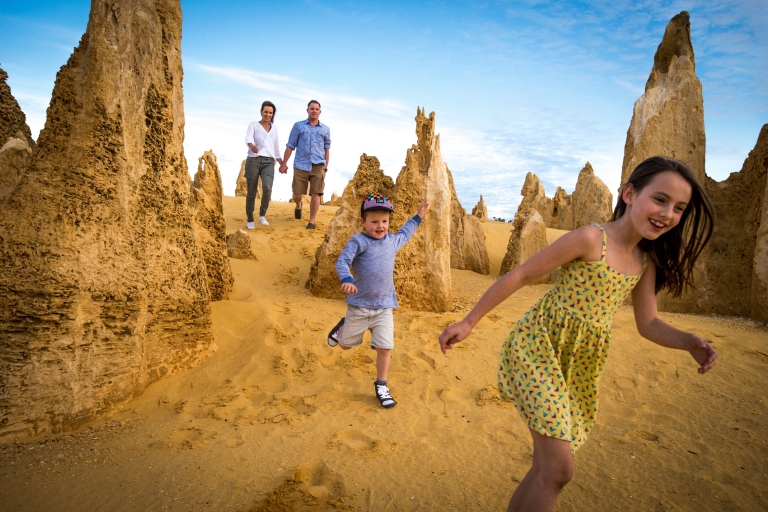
259, 167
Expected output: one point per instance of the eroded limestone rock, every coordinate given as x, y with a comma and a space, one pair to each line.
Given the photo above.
529, 236
239, 246
368, 179
480, 210
103, 289
210, 226
668, 119
733, 279
423, 265
468, 250
592, 201
15, 159
13, 122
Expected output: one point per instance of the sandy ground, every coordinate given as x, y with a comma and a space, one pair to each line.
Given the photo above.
277, 420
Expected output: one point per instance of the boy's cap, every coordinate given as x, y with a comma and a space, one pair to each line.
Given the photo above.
375, 202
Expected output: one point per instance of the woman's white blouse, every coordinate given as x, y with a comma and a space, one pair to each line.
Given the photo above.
265, 141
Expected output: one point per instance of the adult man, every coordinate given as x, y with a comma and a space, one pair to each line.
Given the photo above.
311, 140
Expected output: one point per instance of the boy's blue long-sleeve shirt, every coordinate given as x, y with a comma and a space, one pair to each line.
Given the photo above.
373, 262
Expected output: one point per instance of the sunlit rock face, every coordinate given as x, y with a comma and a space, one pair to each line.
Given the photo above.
468, 250
668, 119
423, 265
480, 210
528, 237
13, 122
368, 179
103, 288
210, 226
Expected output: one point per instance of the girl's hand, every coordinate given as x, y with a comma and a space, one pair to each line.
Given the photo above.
422, 209
703, 353
348, 288
454, 334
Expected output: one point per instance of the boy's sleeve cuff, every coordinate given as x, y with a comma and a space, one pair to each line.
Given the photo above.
347, 280
417, 218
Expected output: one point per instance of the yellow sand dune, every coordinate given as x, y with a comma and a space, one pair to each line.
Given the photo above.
277, 420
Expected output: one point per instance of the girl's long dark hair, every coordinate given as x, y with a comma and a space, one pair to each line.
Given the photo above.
675, 252
274, 109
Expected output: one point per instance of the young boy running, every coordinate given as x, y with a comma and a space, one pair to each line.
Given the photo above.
371, 293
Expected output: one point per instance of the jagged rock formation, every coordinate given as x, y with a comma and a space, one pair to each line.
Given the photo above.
241, 187
210, 226
13, 122
592, 201
15, 159
423, 265
529, 236
239, 246
732, 278
480, 210
468, 250
668, 119
102, 286
368, 179
757, 163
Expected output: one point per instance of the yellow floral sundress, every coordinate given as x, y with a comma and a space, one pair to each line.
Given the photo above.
551, 362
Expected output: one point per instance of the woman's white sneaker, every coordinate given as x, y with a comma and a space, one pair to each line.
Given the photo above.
263, 221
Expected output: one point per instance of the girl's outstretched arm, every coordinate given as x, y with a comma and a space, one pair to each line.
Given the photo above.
660, 332
580, 243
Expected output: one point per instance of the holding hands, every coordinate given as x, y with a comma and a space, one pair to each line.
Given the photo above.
283, 168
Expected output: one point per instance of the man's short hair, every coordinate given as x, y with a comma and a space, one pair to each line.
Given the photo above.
314, 101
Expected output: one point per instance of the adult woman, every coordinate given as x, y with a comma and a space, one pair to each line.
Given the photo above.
263, 151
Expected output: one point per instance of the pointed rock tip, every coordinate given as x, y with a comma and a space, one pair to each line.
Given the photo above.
675, 43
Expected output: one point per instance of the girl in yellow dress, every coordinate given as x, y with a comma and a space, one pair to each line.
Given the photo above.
551, 362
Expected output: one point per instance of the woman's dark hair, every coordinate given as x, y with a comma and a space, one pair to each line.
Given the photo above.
269, 104
676, 251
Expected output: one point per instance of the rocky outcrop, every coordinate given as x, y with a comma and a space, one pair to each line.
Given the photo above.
423, 265
102, 287
480, 210
468, 250
210, 226
668, 119
15, 159
241, 187
758, 163
13, 122
368, 179
529, 236
592, 201
239, 246
733, 276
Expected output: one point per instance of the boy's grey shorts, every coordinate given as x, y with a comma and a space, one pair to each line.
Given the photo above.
379, 321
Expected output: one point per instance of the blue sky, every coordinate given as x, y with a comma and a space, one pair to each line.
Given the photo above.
516, 86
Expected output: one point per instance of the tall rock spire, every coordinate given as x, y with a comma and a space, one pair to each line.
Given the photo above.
668, 119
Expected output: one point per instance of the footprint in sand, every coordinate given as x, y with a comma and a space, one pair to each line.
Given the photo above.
359, 443
314, 486
191, 438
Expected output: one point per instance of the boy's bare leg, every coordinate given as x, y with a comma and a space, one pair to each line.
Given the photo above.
314, 207
382, 363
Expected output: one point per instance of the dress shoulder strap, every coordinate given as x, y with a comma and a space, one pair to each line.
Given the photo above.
605, 242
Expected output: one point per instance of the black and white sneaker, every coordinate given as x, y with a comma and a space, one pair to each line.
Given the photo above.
333, 336
382, 393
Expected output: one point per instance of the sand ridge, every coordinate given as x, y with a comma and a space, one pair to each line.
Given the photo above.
277, 420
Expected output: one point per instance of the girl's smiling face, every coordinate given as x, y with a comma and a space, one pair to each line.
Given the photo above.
376, 224
658, 207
